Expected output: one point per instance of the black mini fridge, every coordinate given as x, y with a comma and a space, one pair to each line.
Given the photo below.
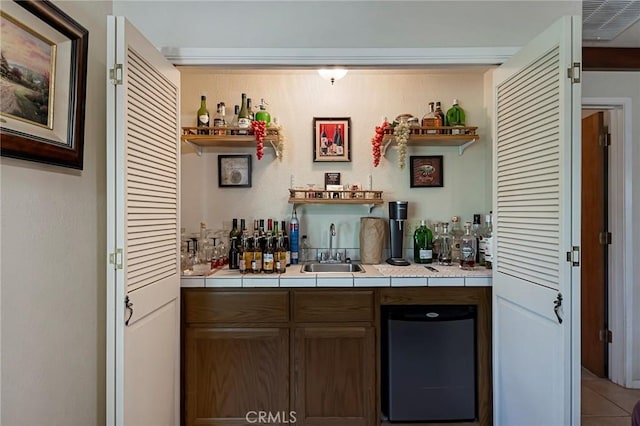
429, 363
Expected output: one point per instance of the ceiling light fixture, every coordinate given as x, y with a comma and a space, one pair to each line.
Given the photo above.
332, 74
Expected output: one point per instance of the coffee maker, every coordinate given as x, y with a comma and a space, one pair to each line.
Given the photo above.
397, 216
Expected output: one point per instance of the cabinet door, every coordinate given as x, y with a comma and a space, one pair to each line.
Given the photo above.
232, 373
334, 376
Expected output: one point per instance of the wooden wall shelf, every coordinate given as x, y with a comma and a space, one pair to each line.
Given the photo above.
195, 137
319, 196
418, 136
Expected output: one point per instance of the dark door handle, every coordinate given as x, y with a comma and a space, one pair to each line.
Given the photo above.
556, 307
128, 305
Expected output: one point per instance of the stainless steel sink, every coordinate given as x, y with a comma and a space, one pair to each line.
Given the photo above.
322, 268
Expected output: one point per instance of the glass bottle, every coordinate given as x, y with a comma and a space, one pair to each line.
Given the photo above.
423, 244
468, 248
436, 242
203, 115
243, 117
439, 117
429, 120
268, 256
263, 114
281, 256
285, 237
294, 242
476, 232
233, 254
242, 249
455, 118
250, 108
256, 260
456, 233
247, 252
444, 254
234, 121
489, 242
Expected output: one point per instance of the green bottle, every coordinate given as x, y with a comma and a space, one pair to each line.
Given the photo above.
455, 118
263, 114
423, 244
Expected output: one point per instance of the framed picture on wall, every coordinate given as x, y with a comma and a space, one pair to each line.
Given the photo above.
426, 171
43, 72
331, 139
234, 171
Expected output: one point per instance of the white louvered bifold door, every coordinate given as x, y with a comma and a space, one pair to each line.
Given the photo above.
536, 184
143, 197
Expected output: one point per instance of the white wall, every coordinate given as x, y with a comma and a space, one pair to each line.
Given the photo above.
625, 85
53, 268
296, 96
351, 24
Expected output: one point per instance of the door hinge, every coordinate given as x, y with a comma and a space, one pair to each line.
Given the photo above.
573, 256
606, 336
574, 72
115, 258
605, 140
115, 74
604, 238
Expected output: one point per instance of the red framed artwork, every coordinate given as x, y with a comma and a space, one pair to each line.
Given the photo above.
332, 139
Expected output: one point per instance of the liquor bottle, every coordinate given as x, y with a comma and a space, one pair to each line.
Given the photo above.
221, 120
243, 117
281, 255
294, 243
233, 254
456, 118
268, 256
436, 242
423, 244
429, 120
242, 248
338, 141
256, 260
456, 233
488, 243
217, 120
263, 114
476, 232
234, 121
440, 117
203, 115
250, 109
247, 252
285, 237
468, 248
444, 254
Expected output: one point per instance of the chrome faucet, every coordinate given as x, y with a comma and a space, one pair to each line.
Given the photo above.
332, 233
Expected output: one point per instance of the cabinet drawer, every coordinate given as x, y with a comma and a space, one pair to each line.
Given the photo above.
236, 306
332, 306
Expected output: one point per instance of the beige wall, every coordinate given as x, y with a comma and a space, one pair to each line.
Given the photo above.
53, 269
626, 85
296, 96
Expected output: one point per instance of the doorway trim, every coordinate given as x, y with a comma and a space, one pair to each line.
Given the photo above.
620, 224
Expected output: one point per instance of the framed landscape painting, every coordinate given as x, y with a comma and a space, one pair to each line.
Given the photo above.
43, 67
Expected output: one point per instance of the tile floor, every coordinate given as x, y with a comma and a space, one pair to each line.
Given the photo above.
605, 403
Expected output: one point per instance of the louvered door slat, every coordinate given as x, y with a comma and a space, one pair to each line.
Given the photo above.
528, 173
152, 181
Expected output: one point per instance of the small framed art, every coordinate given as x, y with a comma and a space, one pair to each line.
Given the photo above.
234, 171
426, 171
331, 139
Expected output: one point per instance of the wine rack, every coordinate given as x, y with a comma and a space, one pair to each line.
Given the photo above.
424, 136
202, 137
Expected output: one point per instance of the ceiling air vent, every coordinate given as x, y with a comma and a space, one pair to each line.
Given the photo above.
605, 19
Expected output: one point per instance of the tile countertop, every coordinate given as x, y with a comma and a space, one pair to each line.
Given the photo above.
382, 275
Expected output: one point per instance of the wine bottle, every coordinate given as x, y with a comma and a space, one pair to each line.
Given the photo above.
256, 261
281, 256
250, 109
285, 238
234, 121
338, 141
423, 244
268, 256
243, 117
488, 243
233, 254
456, 118
439, 117
294, 230
242, 248
203, 115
